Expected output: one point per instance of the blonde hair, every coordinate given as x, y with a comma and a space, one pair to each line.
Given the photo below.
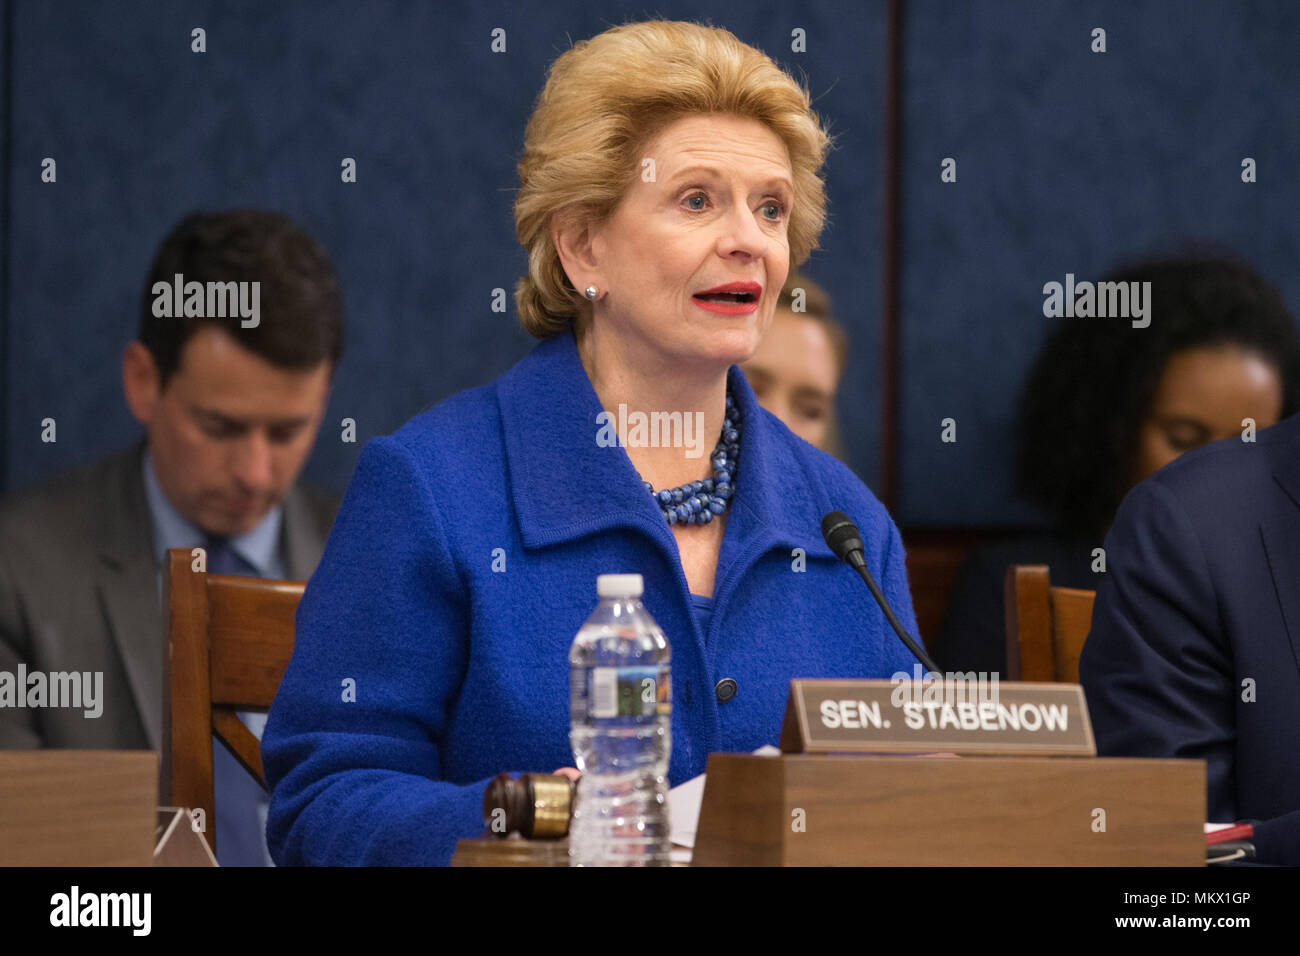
603, 102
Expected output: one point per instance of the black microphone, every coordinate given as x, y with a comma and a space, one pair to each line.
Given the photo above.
842, 536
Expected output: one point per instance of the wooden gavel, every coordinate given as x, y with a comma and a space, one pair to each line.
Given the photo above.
538, 806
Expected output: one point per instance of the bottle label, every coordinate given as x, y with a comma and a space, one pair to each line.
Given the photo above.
630, 692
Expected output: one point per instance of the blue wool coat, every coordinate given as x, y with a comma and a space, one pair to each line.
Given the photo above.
432, 641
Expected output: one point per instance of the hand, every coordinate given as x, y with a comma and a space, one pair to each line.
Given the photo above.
573, 773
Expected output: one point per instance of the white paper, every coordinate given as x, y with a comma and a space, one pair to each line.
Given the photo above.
684, 804
684, 811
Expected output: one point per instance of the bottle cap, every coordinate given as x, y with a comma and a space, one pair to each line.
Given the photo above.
619, 585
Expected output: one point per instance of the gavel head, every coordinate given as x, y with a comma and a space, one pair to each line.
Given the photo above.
536, 806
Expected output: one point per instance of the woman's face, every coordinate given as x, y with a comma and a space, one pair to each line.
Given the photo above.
712, 209
795, 375
1203, 395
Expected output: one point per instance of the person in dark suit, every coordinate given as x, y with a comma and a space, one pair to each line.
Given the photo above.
230, 410
1195, 643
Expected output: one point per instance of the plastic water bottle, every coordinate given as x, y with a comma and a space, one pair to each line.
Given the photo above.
620, 700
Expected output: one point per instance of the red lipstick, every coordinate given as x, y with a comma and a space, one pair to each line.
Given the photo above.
731, 298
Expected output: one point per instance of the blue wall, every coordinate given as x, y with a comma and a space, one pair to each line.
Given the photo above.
144, 130
1068, 161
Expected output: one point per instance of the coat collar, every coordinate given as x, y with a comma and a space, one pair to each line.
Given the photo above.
1281, 534
302, 535
128, 586
564, 485
1286, 473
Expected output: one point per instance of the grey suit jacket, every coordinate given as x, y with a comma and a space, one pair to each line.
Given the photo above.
79, 592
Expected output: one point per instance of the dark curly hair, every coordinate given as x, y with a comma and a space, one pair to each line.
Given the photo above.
1089, 390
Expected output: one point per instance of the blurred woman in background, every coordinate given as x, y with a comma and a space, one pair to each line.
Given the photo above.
800, 362
1105, 405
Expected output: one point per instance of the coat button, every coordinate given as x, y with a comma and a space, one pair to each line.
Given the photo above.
725, 689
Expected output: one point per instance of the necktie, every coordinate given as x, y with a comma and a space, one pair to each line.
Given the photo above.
240, 800
223, 559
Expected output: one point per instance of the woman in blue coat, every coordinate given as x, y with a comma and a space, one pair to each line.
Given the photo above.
672, 174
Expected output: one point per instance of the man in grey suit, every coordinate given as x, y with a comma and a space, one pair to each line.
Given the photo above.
241, 330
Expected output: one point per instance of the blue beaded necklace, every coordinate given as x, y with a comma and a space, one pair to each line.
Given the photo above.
698, 502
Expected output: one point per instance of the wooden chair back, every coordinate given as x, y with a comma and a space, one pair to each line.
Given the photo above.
935, 557
229, 641
1046, 626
